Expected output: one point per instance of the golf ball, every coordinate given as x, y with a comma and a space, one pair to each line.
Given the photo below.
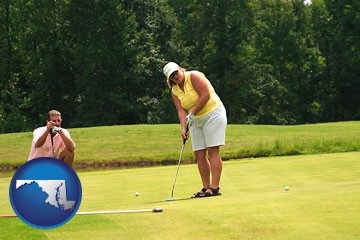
286, 188
137, 194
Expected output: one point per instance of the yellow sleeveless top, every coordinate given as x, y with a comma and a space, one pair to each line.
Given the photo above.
189, 96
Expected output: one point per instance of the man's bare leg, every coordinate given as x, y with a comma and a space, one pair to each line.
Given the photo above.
67, 156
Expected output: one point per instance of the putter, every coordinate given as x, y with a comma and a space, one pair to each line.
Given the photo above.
154, 210
52, 143
8, 216
177, 169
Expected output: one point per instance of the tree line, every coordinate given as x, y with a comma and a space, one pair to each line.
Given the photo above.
100, 61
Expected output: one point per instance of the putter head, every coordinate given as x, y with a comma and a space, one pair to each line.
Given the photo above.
157, 209
169, 199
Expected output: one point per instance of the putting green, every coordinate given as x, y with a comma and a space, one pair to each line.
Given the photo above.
322, 203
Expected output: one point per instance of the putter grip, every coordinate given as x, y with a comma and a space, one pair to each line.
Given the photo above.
187, 130
51, 136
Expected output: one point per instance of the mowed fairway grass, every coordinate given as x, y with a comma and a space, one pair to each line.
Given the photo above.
323, 202
156, 144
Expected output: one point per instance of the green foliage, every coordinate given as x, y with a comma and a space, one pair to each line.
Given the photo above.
14, 121
343, 55
100, 62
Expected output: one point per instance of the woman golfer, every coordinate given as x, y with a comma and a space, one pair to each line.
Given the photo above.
200, 108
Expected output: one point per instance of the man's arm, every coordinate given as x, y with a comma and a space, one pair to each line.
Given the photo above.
69, 143
41, 140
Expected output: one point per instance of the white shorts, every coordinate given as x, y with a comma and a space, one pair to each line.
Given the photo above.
209, 130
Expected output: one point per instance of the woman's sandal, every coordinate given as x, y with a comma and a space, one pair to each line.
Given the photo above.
212, 192
199, 194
